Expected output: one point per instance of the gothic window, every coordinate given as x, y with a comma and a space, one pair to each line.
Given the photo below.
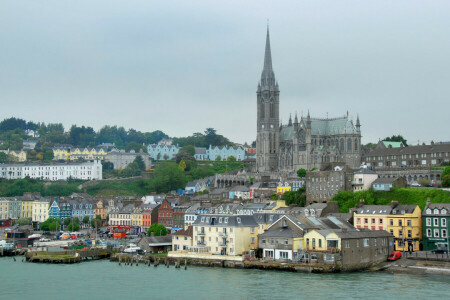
272, 109
342, 145
262, 110
270, 143
349, 145
356, 145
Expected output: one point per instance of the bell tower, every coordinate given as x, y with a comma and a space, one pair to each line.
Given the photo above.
268, 120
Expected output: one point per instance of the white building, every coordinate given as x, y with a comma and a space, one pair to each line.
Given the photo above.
53, 171
363, 179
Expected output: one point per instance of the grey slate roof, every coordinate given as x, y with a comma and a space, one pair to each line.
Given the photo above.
232, 221
403, 209
374, 209
439, 206
282, 232
384, 180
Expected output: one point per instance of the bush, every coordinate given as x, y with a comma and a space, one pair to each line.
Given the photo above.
157, 230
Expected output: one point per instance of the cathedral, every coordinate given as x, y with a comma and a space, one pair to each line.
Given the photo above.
303, 143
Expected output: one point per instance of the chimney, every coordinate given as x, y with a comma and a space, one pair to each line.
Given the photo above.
428, 201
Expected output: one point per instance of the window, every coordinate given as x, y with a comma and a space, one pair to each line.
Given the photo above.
366, 242
400, 222
263, 241
391, 222
428, 221
409, 233
408, 223
320, 243
286, 242
366, 221
436, 211
381, 221
358, 221
436, 233
436, 221
444, 233
443, 222
373, 221
357, 243
347, 244
400, 233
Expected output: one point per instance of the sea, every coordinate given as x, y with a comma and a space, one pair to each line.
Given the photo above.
102, 279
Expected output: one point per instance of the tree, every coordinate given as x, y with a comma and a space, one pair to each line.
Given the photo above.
85, 220
158, 156
97, 222
140, 162
189, 149
166, 157
396, 138
301, 173
424, 181
107, 165
297, 198
231, 158
445, 172
73, 226
218, 158
3, 158
157, 230
182, 165
23, 221
274, 197
51, 224
446, 181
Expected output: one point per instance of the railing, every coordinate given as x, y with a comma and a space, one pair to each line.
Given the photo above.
201, 233
224, 234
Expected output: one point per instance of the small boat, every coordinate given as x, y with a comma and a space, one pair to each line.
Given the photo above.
132, 249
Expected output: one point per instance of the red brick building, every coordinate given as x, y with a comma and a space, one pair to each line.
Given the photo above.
165, 214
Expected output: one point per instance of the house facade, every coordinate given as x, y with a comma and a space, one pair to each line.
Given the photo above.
435, 220
162, 151
165, 214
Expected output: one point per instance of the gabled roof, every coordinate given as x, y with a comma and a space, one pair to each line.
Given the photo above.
185, 232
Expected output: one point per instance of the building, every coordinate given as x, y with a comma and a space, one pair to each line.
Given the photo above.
283, 187
29, 144
4, 208
68, 152
405, 224
182, 239
411, 162
348, 250
178, 217
223, 152
224, 235
121, 159
201, 153
162, 151
373, 217
165, 214
100, 209
321, 186
363, 179
18, 156
304, 143
386, 184
435, 219
137, 219
54, 171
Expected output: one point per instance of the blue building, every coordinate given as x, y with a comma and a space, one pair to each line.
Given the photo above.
162, 152
54, 211
81, 209
386, 184
223, 152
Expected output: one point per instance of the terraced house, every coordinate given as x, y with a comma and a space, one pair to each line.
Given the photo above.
435, 219
225, 235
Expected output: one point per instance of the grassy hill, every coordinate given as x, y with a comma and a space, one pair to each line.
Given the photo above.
419, 196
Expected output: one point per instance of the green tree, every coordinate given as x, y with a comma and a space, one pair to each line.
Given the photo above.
107, 165
3, 158
218, 158
189, 149
23, 221
73, 227
231, 158
297, 198
274, 197
85, 220
446, 181
51, 224
157, 230
140, 162
445, 172
96, 222
301, 173
182, 165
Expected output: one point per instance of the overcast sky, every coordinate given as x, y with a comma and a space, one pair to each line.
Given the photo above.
182, 66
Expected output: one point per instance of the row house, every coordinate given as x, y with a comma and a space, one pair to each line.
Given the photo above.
182, 239
321, 186
4, 208
363, 179
53, 171
100, 209
223, 152
68, 152
418, 156
162, 151
435, 220
239, 192
224, 235
404, 222
165, 214
121, 217
82, 208
40, 210
191, 214
137, 219
178, 217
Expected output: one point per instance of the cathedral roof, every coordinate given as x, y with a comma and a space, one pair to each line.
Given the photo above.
332, 126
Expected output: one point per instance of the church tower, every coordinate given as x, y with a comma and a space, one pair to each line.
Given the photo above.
268, 120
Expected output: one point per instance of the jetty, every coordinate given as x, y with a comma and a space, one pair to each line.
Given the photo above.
68, 256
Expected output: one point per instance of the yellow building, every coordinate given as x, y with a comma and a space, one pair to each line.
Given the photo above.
40, 210
283, 189
68, 153
224, 235
182, 239
136, 218
19, 156
27, 209
405, 223
4, 209
322, 240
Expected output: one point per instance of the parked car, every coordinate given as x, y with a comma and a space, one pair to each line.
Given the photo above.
415, 184
395, 255
441, 248
44, 240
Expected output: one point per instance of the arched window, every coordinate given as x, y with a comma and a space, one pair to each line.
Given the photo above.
262, 110
272, 109
349, 145
342, 145
356, 145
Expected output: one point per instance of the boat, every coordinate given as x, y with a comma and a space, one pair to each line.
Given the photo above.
133, 249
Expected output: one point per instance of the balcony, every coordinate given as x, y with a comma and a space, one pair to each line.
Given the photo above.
224, 234
201, 233
223, 244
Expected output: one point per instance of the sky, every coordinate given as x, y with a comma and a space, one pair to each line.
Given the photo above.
184, 66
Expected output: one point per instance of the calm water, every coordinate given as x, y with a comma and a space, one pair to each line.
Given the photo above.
105, 280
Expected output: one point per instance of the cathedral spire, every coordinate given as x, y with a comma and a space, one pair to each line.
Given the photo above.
296, 118
290, 120
358, 125
267, 76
